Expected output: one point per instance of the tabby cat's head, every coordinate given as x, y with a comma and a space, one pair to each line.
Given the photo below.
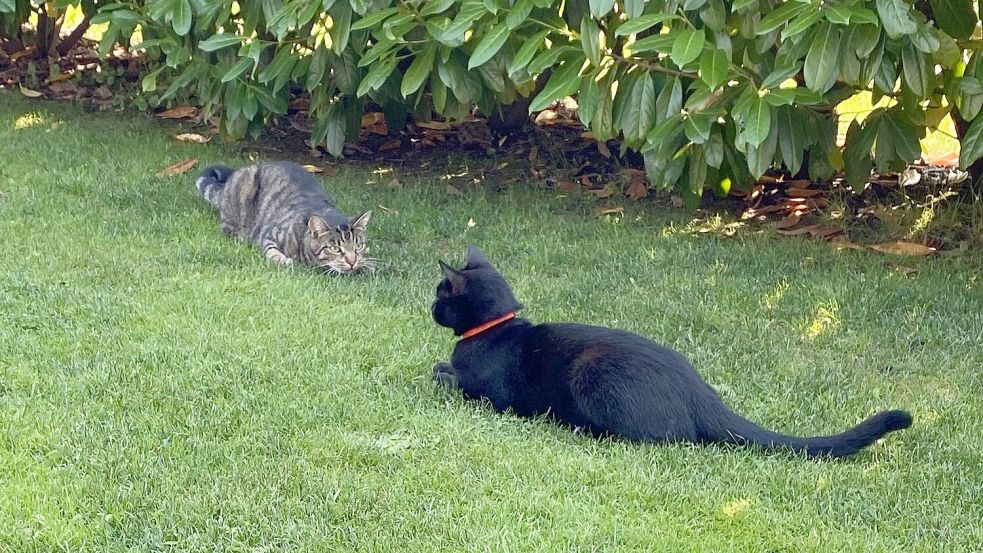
341, 249
473, 295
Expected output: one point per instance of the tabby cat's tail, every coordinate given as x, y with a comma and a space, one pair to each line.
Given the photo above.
211, 181
742, 431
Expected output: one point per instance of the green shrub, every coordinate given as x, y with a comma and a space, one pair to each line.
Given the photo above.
710, 91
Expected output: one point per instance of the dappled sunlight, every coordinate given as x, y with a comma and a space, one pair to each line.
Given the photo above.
29, 120
825, 320
709, 224
736, 507
772, 298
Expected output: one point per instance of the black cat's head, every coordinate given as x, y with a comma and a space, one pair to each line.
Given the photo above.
473, 295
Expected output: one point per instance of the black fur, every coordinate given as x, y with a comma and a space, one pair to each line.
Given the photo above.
606, 381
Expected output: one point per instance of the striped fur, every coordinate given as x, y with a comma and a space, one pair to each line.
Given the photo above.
283, 209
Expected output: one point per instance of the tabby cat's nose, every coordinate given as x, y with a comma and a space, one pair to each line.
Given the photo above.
351, 259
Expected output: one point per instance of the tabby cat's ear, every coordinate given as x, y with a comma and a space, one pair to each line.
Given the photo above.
359, 223
317, 226
453, 276
476, 258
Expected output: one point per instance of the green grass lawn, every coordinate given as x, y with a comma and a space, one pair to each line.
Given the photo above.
163, 388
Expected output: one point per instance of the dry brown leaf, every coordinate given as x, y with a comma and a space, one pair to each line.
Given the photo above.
605, 192
567, 186
825, 232
395, 184
901, 268
611, 211
312, 168
330, 169
370, 119
178, 168
534, 153
59, 77
604, 150
25, 52
797, 231
30, 93
434, 125
180, 112
789, 222
192, 137
637, 190
454, 191
903, 248
676, 201
390, 145
801, 192
799, 183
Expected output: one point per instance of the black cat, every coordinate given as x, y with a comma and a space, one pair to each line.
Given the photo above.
606, 381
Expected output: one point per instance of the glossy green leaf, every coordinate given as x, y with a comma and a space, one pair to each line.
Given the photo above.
342, 29
895, 16
917, 72
687, 46
217, 42
645, 22
590, 41
714, 67
640, 109
418, 71
792, 141
600, 8
181, 17
525, 54
374, 19
519, 12
958, 18
757, 126
779, 16
238, 68
489, 45
822, 61
972, 144
563, 82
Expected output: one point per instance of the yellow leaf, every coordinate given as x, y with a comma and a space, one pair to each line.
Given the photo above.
30, 93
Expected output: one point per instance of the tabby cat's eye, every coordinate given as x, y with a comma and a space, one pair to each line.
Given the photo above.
334, 249
359, 247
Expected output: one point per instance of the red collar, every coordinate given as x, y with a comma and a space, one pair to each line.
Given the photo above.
490, 324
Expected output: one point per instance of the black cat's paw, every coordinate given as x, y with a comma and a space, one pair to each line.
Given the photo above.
444, 375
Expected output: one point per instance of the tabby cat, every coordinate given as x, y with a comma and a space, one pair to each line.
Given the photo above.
283, 209
606, 381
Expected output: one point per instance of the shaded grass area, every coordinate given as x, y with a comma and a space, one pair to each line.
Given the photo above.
163, 388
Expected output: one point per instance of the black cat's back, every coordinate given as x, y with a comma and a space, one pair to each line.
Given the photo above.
605, 380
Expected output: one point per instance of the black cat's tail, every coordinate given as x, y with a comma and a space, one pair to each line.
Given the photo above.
742, 431
211, 181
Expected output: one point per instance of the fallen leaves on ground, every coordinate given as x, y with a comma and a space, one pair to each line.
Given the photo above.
903, 248
30, 93
178, 168
180, 112
192, 137
454, 191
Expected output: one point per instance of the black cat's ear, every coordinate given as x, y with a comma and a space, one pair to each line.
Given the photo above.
476, 258
317, 226
453, 276
361, 222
